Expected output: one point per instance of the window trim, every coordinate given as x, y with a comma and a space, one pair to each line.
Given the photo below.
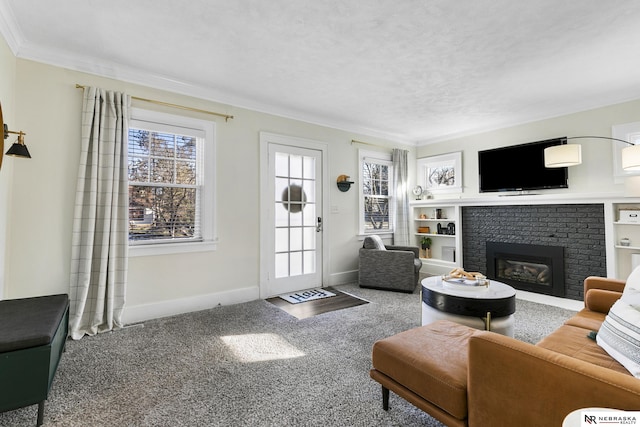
206, 130
382, 158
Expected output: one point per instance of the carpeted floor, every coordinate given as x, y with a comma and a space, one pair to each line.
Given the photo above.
248, 364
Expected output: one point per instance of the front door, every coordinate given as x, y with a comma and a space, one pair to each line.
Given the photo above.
292, 203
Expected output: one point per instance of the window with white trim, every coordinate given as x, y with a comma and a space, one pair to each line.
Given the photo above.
171, 183
376, 193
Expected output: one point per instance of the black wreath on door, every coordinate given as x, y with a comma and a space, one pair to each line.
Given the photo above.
294, 198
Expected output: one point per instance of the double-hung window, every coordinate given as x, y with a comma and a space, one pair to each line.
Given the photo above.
171, 183
376, 193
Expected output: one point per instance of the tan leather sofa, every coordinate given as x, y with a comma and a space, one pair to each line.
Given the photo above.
466, 377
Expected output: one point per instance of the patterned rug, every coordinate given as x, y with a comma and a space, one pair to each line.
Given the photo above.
310, 308
308, 295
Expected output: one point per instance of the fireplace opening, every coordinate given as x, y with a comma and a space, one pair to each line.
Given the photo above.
534, 268
528, 272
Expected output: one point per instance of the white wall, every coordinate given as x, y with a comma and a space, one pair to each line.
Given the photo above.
594, 175
7, 99
37, 195
41, 208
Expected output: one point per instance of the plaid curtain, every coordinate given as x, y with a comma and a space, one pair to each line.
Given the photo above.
100, 227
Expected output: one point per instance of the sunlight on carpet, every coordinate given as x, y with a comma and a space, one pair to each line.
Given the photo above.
249, 348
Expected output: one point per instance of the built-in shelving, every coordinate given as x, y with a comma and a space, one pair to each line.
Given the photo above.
619, 258
626, 256
446, 248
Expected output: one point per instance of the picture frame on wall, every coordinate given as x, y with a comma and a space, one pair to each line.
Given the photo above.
441, 174
627, 132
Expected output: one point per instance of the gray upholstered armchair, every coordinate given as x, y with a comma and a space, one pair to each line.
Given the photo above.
393, 268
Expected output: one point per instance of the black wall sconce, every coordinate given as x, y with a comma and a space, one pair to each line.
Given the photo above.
18, 149
343, 183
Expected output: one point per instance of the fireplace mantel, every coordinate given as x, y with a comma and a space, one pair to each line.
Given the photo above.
499, 199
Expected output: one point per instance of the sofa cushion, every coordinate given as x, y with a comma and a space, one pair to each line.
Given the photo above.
373, 242
620, 332
573, 341
600, 300
587, 319
431, 361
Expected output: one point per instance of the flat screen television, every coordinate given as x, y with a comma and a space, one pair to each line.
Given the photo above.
520, 168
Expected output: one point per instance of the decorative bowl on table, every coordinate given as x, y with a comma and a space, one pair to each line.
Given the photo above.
465, 282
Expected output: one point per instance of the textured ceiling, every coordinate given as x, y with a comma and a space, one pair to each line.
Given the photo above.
413, 71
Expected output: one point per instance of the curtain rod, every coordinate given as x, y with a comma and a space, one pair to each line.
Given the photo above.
167, 104
353, 141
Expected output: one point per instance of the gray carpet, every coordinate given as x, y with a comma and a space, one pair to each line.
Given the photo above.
183, 371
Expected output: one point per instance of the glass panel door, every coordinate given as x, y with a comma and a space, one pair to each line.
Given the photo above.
297, 226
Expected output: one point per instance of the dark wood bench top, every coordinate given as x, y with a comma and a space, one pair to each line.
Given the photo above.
30, 322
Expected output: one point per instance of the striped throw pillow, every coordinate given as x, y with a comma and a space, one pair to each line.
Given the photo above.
619, 334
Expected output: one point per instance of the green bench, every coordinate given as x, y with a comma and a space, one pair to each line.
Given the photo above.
33, 332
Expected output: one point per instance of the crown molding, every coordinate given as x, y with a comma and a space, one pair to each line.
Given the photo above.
9, 30
116, 71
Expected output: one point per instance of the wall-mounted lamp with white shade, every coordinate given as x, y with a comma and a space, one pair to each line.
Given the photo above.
565, 155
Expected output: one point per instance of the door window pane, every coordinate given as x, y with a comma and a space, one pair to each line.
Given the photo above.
309, 168
309, 239
281, 164
282, 265
295, 266
295, 166
309, 262
282, 239
295, 242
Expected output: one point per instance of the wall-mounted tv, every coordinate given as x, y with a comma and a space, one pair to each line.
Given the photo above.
520, 168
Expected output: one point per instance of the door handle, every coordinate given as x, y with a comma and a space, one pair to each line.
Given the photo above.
319, 225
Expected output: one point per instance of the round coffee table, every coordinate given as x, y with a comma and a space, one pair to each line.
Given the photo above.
482, 307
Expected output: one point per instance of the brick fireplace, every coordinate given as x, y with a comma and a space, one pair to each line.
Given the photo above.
577, 228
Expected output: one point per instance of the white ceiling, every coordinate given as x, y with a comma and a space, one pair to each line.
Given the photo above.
411, 70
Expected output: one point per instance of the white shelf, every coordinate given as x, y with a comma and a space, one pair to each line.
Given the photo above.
626, 223
633, 248
438, 220
435, 235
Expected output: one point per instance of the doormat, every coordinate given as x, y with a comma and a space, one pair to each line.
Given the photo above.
312, 308
304, 296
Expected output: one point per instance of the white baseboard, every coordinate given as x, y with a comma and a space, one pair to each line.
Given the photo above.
343, 278
143, 312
